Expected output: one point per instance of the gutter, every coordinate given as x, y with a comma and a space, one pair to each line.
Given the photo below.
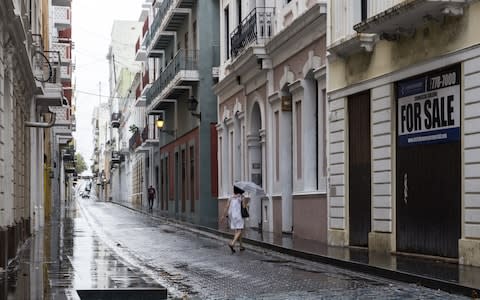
43, 124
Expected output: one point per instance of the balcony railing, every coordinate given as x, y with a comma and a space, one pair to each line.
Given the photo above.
64, 49
137, 45
135, 140
256, 27
68, 155
145, 79
183, 60
157, 21
55, 59
145, 27
149, 133
115, 120
61, 15
145, 134
116, 157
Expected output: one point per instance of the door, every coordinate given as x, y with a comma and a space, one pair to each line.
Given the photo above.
359, 167
428, 176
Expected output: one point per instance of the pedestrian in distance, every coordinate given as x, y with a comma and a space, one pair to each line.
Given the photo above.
151, 196
233, 214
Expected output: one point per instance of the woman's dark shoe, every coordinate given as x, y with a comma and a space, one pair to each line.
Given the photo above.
231, 248
242, 248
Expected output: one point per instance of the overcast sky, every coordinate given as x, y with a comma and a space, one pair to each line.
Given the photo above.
92, 22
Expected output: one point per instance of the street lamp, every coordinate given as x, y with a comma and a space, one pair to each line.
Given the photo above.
160, 123
192, 107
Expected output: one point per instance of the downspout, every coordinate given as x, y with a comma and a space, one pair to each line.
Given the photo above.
43, 124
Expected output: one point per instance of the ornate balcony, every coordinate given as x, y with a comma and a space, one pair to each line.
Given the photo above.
62, 16
182, 68
257, 28
115, 120
169, 18
65, 50
149, 137
135, 140
140, 46
46, 69
116, 157
68, 154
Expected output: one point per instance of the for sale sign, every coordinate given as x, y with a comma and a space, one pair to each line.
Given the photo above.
428, 108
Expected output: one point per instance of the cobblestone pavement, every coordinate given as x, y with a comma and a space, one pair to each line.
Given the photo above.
200, 266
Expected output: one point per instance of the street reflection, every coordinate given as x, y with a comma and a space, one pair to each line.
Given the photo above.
64, 256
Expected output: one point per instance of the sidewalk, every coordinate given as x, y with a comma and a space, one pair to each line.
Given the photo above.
428, 272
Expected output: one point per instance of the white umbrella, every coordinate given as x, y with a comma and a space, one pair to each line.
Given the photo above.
250, 187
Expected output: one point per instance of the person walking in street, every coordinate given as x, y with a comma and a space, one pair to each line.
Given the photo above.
151, 196
233, 214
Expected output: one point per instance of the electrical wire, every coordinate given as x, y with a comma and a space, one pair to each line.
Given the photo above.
99, 95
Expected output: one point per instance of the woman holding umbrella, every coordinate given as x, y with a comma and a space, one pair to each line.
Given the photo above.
233, 214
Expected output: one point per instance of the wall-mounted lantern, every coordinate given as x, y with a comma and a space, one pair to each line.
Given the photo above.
192, 107
160, 123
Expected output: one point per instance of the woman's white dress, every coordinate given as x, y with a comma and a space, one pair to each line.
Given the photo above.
234, 214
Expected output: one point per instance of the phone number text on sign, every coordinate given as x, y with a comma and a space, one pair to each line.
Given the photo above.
428, 109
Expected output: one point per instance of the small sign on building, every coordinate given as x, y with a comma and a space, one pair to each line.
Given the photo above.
286, 103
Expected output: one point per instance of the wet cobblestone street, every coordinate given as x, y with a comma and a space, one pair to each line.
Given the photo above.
99, 245
201, 267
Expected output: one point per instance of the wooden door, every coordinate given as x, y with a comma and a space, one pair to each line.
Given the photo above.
428, 176
359, 167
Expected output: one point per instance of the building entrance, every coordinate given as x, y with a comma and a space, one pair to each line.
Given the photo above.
428, 176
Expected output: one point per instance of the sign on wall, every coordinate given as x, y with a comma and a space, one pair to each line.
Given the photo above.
428, 108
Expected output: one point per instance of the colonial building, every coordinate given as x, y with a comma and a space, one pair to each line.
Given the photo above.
180, 54
123, 71
404, 127
31, 92
272, 112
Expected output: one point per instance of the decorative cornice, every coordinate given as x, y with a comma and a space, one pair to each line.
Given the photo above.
312, 21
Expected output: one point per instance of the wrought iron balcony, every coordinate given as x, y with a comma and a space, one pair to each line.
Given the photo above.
115, 120
145, 134
135, 140
140, 46
65, 51
257, 27
69, 167
184, 60
157, 21
69, 154
116, 157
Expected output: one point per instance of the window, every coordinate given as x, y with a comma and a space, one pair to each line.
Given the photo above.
192, 178
186, 41
231, 157
277, 145
359, 10
364, 10
239, 11
227, 32
298, 120
184, 179
194, 35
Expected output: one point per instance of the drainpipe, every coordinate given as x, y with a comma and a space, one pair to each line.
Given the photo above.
42, 124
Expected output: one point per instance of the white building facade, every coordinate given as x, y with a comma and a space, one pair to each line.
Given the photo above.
123, 70
271, 97
29, 95
404, 127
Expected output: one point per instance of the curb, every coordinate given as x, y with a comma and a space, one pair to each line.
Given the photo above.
428, 282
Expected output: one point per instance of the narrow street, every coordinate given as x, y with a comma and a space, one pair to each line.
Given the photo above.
201, 266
